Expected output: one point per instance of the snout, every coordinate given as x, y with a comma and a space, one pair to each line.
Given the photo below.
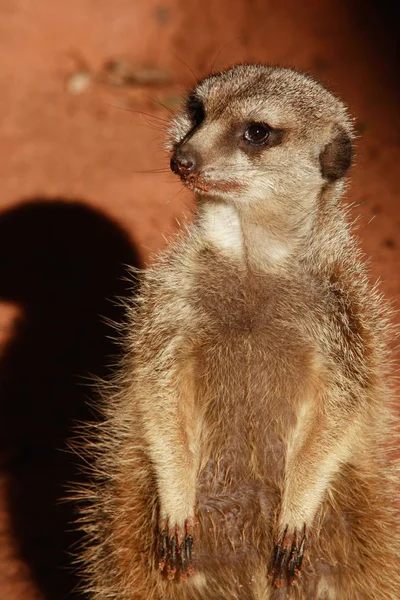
185, 162
188, 164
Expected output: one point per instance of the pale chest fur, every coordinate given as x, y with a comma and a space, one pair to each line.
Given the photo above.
252, 355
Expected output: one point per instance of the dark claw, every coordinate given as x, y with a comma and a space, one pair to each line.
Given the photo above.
171, 566
293, 562
188, 547
163, 550
276, 556
183, 557
287, 559
282, 561
301, 552
172, 552
164, 545
175, 558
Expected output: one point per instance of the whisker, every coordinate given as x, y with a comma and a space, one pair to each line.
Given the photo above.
138, 112
196, 77
145, 171
154, 125
235, 39
175, 195
167, 108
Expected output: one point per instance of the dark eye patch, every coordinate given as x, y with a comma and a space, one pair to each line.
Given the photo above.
257, 136
257, 133
195, 109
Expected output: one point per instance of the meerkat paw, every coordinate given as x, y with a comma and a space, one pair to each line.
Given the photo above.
287, 558
175, 550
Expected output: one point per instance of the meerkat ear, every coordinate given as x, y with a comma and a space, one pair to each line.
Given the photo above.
335, 159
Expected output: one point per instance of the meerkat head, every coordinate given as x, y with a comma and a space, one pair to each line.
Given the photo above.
253, 134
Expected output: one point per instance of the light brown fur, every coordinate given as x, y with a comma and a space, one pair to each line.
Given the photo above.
255, 393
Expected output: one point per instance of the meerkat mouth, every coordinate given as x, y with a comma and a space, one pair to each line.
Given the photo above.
196, 183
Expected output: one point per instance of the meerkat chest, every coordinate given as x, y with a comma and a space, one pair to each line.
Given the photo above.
252, 341
228, 298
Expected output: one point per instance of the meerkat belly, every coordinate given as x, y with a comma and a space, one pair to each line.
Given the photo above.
248, 392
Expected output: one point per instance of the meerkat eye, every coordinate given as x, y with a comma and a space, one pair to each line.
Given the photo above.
195, 109
257, 133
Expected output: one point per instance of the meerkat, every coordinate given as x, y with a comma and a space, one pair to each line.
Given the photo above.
245, 450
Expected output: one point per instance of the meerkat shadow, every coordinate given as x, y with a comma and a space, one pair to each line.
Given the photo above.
63, 264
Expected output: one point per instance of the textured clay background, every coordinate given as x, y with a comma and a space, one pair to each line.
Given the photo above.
85, 189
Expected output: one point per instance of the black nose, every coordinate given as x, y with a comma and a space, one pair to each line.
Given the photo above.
183, 163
